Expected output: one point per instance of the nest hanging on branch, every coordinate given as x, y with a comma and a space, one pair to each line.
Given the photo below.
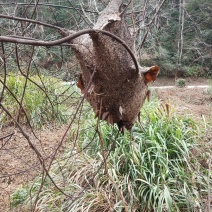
111, 79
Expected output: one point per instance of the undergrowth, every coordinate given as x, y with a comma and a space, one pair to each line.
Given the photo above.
153, 169
38, 100
209, 90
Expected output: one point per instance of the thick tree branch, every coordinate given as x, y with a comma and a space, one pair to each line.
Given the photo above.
68, 39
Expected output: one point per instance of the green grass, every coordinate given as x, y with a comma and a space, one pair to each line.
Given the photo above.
154, 169
19, 196
40, 105
180, 83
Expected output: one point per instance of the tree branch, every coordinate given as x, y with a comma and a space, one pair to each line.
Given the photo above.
48, 5
68, 39
30, 20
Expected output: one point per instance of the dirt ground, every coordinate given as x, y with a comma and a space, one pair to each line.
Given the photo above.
191, 101
19, 163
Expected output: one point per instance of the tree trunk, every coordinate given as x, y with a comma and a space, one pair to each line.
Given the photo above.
109, 80
180, 36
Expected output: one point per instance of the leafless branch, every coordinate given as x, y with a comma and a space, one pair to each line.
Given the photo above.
32, 4
68, 39
31, 21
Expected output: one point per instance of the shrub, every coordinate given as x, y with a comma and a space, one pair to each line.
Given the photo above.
195, 71
180, 83
44, 100
19, 196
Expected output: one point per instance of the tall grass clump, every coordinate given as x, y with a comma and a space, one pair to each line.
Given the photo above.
209, 89
155, 166
43, 99
151, 169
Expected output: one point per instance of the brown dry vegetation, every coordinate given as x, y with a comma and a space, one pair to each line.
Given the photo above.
193, 101
190, 101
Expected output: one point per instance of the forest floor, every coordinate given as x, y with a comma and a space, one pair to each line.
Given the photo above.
19, 163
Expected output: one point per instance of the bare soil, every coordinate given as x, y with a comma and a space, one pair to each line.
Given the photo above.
191, 101
19, 164
163, 81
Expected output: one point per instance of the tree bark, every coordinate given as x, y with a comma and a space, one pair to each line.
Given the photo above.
113, 86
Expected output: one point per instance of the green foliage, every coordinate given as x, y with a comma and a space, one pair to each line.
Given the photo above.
154, 163
151, 170
19, 196
195, 71
167, 68
42, 104
180, 83
162, 45
192, 71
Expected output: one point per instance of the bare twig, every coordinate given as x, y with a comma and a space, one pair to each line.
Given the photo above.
30, 21
5, 72
25, 84
5, 136
68, 39
39, 156
32, 4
